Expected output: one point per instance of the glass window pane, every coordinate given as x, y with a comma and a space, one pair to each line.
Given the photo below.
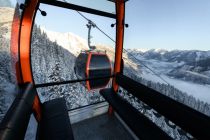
55, 47
168, 50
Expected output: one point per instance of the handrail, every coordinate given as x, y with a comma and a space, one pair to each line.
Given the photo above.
15, 122
71, 81
81, 107
190, 120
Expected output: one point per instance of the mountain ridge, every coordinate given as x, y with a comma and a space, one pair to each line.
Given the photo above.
188, 65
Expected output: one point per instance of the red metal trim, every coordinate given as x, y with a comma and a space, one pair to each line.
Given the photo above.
87, 71
110, 110
14, 45
120, 10
24, 49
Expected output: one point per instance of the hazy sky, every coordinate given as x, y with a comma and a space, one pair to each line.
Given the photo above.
168, 24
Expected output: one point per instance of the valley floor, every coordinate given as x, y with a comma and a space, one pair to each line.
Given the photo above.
201, 92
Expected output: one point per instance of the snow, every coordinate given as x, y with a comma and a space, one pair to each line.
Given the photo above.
160, 50
58, 65
7, 77
6, 19
197, 74
201, 92
198, 57
208, 53
139, 50
73, 43
161, 68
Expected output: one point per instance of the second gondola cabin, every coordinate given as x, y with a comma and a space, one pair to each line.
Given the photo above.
93, 64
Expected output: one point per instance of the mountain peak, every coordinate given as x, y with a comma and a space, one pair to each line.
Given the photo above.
159, 50
72, 42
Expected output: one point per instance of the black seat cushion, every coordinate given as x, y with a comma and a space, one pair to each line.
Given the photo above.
55, 123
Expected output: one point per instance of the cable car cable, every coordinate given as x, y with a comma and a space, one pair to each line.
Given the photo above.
123, 48
96, 26
146, 66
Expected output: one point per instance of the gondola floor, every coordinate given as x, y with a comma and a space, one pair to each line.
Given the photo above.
103, 127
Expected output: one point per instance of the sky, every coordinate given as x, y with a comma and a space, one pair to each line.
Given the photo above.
65, 20
167, 24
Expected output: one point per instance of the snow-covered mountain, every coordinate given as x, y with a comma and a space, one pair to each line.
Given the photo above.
188, 65
186, 56
190, 75
6, 18
7, 78
52, 62
68, 41
167, 64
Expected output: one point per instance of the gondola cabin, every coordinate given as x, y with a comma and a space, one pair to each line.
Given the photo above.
93, 64
115, 117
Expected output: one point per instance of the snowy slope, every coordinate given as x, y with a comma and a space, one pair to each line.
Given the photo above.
196, 90
191, 81
69, 41
7, 78
6, 18
167, 64
52, 62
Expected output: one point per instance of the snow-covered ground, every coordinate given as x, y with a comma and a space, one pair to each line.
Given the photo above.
70, 41
199, 91
7, 77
